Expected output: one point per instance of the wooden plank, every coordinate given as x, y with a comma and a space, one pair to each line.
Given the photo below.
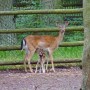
25, 30
72, 44
64, 44
76, 60
45, 11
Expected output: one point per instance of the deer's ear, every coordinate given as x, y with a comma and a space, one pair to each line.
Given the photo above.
66, 23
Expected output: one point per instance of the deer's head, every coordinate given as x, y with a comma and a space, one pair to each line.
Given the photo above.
62, 27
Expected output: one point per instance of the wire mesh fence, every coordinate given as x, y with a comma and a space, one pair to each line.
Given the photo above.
38, 21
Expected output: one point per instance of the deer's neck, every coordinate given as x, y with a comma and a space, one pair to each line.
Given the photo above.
60, 37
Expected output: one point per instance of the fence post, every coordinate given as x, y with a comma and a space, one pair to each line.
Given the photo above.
86, 53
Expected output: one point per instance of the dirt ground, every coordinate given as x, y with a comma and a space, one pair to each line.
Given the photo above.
62, 79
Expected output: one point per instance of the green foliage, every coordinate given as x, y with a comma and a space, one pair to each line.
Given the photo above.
49, 20
74, 36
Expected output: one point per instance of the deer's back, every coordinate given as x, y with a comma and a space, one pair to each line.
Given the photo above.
41, 41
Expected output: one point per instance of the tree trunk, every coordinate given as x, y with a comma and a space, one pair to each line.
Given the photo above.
7, 22
86, 54
49, 20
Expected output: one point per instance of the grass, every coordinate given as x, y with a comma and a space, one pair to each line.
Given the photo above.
60, 53
68, 52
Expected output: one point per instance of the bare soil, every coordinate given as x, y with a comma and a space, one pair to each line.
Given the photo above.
62, 79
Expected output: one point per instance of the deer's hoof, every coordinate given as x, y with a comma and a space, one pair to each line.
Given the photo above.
52, 70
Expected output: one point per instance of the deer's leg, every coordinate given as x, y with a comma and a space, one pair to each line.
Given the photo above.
47, 59
40, 69
51, 59
37, 66
43, 66
29, 59
46, 65
25, 59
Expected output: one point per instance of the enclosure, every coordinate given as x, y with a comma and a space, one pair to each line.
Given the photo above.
19, 18
35, 18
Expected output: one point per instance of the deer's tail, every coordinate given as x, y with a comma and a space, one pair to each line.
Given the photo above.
23, 44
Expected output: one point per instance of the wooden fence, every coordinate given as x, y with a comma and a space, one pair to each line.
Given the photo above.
46, 11
50, 11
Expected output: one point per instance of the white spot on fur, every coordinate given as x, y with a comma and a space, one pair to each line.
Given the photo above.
41, 44
25, 47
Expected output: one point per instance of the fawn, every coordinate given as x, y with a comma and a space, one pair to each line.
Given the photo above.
42, 59
46, 42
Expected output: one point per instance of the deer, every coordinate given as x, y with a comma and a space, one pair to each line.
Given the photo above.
41, 61
46, 42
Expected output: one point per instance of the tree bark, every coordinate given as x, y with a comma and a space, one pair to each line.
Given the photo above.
7, 22
49, 20
86, 54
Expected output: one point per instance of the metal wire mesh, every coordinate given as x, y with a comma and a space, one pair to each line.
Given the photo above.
31, 21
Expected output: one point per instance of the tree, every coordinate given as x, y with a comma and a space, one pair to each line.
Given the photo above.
49, 20
86, 54
7, 22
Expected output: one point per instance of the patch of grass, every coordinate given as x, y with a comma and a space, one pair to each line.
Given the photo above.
68, 52
59, 53
62, 52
